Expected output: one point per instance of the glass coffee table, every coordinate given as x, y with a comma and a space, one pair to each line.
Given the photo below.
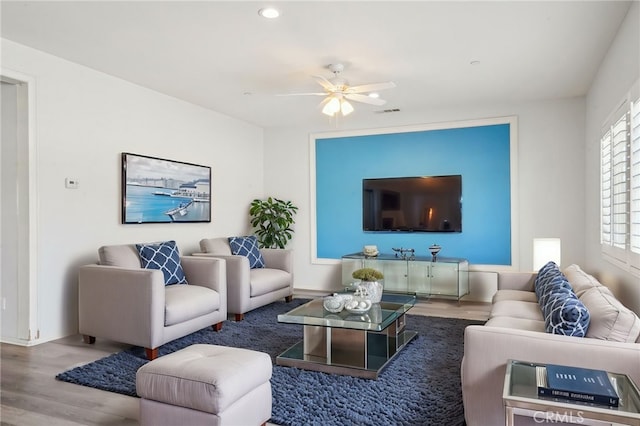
520, 397
359, 345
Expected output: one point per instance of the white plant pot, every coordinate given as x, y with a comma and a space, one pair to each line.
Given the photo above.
374, 289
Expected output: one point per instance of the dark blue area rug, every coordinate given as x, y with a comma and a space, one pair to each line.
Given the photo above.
421, 386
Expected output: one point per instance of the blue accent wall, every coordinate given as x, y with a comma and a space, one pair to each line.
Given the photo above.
480, 154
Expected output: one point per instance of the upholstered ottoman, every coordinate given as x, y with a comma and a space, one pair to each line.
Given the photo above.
206, 385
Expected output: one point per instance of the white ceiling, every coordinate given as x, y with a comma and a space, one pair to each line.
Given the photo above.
223, 56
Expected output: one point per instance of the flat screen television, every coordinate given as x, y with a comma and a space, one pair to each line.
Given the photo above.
412, 204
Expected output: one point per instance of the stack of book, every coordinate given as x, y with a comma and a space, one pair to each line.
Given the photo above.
576, 384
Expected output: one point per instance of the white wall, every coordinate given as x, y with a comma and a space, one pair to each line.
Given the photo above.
619, 70
85, 119
550, 166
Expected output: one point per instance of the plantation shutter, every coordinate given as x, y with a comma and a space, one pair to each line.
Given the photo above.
605, 190
634, 160
619, 183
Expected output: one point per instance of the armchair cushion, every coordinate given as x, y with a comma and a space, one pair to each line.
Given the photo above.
265, 281
185, 302
248, 247
165, 257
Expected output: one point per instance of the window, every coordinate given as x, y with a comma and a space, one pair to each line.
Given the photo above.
620, 185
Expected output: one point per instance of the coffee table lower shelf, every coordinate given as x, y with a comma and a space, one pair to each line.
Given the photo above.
348, 352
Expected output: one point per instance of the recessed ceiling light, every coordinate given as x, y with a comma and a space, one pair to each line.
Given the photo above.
374, 95
269, 12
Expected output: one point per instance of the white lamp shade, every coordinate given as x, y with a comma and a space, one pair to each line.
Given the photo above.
546, 250
331, 107
346, 107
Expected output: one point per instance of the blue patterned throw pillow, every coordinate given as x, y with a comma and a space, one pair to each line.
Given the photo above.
546, 277
248, 247
165, 257
565, 314
554, 284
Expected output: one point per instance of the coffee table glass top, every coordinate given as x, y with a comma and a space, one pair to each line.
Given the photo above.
379, 317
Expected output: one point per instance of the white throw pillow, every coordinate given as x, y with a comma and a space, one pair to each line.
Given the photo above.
580, 281
610, 319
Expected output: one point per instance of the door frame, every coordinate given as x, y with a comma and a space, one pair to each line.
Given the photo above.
28, 330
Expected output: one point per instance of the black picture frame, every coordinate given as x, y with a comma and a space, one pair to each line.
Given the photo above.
157, 190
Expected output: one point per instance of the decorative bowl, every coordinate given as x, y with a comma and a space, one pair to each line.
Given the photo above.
370, 251
358, 305
334, 304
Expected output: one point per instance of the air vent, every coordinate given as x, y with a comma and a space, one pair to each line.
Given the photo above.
385, 111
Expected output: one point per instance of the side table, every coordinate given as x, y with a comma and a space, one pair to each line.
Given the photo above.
520, 396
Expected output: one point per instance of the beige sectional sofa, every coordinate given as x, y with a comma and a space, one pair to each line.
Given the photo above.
516, 330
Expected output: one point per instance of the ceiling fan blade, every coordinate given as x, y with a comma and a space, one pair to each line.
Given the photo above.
325, 83
365, 99
373, 87
303, 94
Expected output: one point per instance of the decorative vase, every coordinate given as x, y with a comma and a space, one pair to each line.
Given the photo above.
374, 288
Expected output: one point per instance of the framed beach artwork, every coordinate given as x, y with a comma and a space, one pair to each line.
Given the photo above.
155, 190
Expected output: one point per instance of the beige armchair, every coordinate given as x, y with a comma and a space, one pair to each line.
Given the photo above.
248, 289
121, 301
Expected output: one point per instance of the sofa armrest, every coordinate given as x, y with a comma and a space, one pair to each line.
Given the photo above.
488, 349
278, 259
122, 304
206, 272
516, 281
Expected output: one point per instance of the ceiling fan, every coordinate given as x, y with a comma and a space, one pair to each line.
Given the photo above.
338, 92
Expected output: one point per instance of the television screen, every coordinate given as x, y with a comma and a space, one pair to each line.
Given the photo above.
412, 204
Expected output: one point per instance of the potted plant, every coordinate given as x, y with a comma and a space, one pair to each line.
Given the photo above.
272, 219
367, 274
369, 279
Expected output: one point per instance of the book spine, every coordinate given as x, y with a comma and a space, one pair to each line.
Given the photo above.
578, 397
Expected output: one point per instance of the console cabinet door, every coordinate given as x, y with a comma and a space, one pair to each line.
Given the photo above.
444, 279
419, 280
395, 276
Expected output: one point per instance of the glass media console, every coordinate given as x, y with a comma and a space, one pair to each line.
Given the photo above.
447, 277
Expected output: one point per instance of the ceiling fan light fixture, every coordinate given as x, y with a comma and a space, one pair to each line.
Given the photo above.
346, 108
331, 107
339, 95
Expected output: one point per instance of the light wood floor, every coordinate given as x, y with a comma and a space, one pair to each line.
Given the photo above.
30, 395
